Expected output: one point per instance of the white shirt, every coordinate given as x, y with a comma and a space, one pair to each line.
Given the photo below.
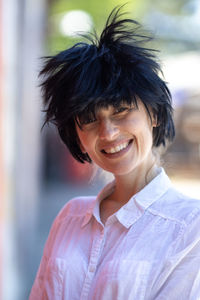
149, 249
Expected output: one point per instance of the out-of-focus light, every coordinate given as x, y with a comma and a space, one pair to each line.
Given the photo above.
75, 22
181, 72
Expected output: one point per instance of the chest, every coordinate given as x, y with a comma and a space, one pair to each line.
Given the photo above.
102, 259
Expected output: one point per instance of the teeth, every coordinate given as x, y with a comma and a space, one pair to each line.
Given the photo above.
117, 148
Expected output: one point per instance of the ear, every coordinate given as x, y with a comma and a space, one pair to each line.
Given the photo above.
154, 120
154, 123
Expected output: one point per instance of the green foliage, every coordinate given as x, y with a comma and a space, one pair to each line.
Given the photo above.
98, 10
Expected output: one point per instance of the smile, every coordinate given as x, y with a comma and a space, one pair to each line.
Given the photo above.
117, 149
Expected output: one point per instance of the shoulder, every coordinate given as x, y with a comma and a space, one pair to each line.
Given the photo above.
182, 216
68, 220
186, 211
180, 207
77, 206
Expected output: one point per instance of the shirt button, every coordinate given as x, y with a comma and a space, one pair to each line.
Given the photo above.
92, 269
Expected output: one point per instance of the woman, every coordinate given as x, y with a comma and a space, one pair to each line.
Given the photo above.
139, 238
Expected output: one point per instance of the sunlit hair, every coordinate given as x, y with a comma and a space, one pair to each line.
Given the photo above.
108, 70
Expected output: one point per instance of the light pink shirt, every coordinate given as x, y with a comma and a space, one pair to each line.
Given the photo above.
149, 249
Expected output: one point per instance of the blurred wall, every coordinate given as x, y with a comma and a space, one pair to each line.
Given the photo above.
22, 38
1, 153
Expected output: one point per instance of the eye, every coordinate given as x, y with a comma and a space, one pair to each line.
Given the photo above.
121, 109
88, 121
87, 118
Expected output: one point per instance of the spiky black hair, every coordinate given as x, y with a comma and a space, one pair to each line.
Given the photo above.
105, 71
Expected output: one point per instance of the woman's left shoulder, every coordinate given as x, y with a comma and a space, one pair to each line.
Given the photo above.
179, 207
187, 207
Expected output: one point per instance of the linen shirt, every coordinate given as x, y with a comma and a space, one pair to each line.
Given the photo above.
149, 249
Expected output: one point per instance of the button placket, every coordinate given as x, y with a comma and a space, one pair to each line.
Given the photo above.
94, 258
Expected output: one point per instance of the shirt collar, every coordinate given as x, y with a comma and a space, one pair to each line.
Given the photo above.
135, 207
128, 214
154, 189
93, 209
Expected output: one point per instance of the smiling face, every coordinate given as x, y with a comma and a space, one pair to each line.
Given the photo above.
119, 140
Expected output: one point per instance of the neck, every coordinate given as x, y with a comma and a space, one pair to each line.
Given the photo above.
130, 184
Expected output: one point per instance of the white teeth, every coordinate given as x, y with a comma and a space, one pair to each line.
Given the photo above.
117, 148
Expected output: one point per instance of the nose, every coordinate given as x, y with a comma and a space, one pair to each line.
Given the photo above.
108, 130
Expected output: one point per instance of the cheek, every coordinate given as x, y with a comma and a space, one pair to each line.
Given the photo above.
147, 139
82, 139
135, 126
142, 131
87, 141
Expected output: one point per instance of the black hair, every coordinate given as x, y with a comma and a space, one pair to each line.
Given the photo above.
105, 71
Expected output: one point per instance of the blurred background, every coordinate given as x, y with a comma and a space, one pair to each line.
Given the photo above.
37, 174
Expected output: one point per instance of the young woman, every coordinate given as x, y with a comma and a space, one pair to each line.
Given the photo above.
139, 238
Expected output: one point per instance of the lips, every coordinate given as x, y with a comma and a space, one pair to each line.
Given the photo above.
116, 149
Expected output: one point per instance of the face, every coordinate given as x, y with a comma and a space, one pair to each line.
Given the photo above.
119, 140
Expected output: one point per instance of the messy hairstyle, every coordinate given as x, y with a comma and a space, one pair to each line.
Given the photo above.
108, 70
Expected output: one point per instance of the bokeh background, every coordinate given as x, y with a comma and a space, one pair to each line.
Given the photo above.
37, 174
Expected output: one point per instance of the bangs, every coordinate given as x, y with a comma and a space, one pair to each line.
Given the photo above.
90, 112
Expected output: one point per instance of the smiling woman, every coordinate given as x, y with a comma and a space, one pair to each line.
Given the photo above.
139, 238
119, 139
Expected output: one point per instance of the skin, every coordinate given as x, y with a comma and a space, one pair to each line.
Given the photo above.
132, 167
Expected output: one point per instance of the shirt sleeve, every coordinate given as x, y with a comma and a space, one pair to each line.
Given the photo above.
180, 276
53, 269
48, 284
37, 291
44, 286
